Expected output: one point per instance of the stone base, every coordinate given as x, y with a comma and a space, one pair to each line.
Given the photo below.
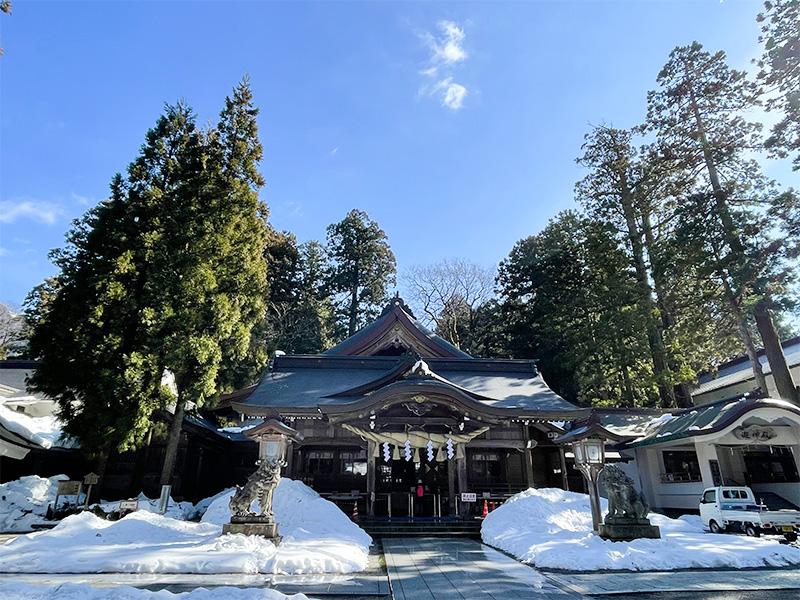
268, 530
619, 529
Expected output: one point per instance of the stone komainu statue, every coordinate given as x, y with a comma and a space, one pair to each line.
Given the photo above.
623, 499
259, 485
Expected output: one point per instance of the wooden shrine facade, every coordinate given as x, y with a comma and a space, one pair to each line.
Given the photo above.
400, 423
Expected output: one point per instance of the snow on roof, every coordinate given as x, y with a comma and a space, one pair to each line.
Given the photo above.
42, 431
738, 371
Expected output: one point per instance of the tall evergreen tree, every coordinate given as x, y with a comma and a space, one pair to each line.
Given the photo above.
621, 190
780, 73
361, 266
567, 296
86, 333
210, 290
167, 277
697, 118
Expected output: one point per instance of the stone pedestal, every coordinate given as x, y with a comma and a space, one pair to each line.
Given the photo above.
254, 525
624, 529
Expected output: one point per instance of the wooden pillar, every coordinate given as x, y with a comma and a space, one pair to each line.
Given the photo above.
451, 486
371, 447
527, 457
564, 480
461, 466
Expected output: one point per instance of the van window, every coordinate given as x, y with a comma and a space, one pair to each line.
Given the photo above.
726, 493
710, 496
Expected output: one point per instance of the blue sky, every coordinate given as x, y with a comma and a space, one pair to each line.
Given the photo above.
454, 125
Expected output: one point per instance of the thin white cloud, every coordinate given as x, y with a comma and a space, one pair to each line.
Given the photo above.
447, 52
454, 93
452, 50
35, 210
447, 49
83, 200
4, 251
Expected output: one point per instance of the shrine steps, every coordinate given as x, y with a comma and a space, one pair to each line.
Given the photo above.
379, 527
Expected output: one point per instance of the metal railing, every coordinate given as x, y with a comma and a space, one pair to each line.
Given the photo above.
685, 477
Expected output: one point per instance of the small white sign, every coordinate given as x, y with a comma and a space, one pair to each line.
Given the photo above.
128, 505
469, 497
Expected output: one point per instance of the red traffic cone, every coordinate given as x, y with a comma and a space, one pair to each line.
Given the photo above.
355, 511
485, 508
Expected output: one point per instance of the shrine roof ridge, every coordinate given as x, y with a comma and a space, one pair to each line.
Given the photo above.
322, 361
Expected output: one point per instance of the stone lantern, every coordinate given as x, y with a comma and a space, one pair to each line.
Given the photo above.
627, 516
587, 438
274, 439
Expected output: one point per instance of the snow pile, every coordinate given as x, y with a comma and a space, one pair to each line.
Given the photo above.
318, 538
72, 591
175, 510
24, 501
552, 528
43, 431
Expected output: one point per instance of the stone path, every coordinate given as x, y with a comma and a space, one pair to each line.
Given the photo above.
679, 581
459, 569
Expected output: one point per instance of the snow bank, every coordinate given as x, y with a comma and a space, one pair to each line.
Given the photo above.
24, 501
318, 538
552, 528
72, 591
175, 510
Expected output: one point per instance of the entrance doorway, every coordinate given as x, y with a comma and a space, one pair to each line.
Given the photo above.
411, 489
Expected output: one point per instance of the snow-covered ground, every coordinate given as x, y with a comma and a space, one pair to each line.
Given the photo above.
72, 591
317, 538
552, 529
24, 501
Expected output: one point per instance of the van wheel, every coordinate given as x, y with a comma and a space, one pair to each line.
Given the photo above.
751, 531
790, 537
715, 528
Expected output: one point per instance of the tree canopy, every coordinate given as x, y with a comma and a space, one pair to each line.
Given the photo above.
361, 266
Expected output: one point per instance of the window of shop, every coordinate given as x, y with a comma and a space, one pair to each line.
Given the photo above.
770, 464
680, 466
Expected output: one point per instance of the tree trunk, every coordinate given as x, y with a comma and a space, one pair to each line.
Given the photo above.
101, 465
655, 339
680, 391
720, 197
172, 442
353, 305
777, 361
758, 372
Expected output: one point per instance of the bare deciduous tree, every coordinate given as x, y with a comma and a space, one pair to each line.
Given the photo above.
447, 295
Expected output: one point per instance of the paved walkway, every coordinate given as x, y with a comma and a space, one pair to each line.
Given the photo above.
456, 569
701, 580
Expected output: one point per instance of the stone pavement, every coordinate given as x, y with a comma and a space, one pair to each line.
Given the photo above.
700, 580
460, 569
452, 569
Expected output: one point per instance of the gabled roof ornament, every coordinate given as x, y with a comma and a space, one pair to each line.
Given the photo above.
421, 369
